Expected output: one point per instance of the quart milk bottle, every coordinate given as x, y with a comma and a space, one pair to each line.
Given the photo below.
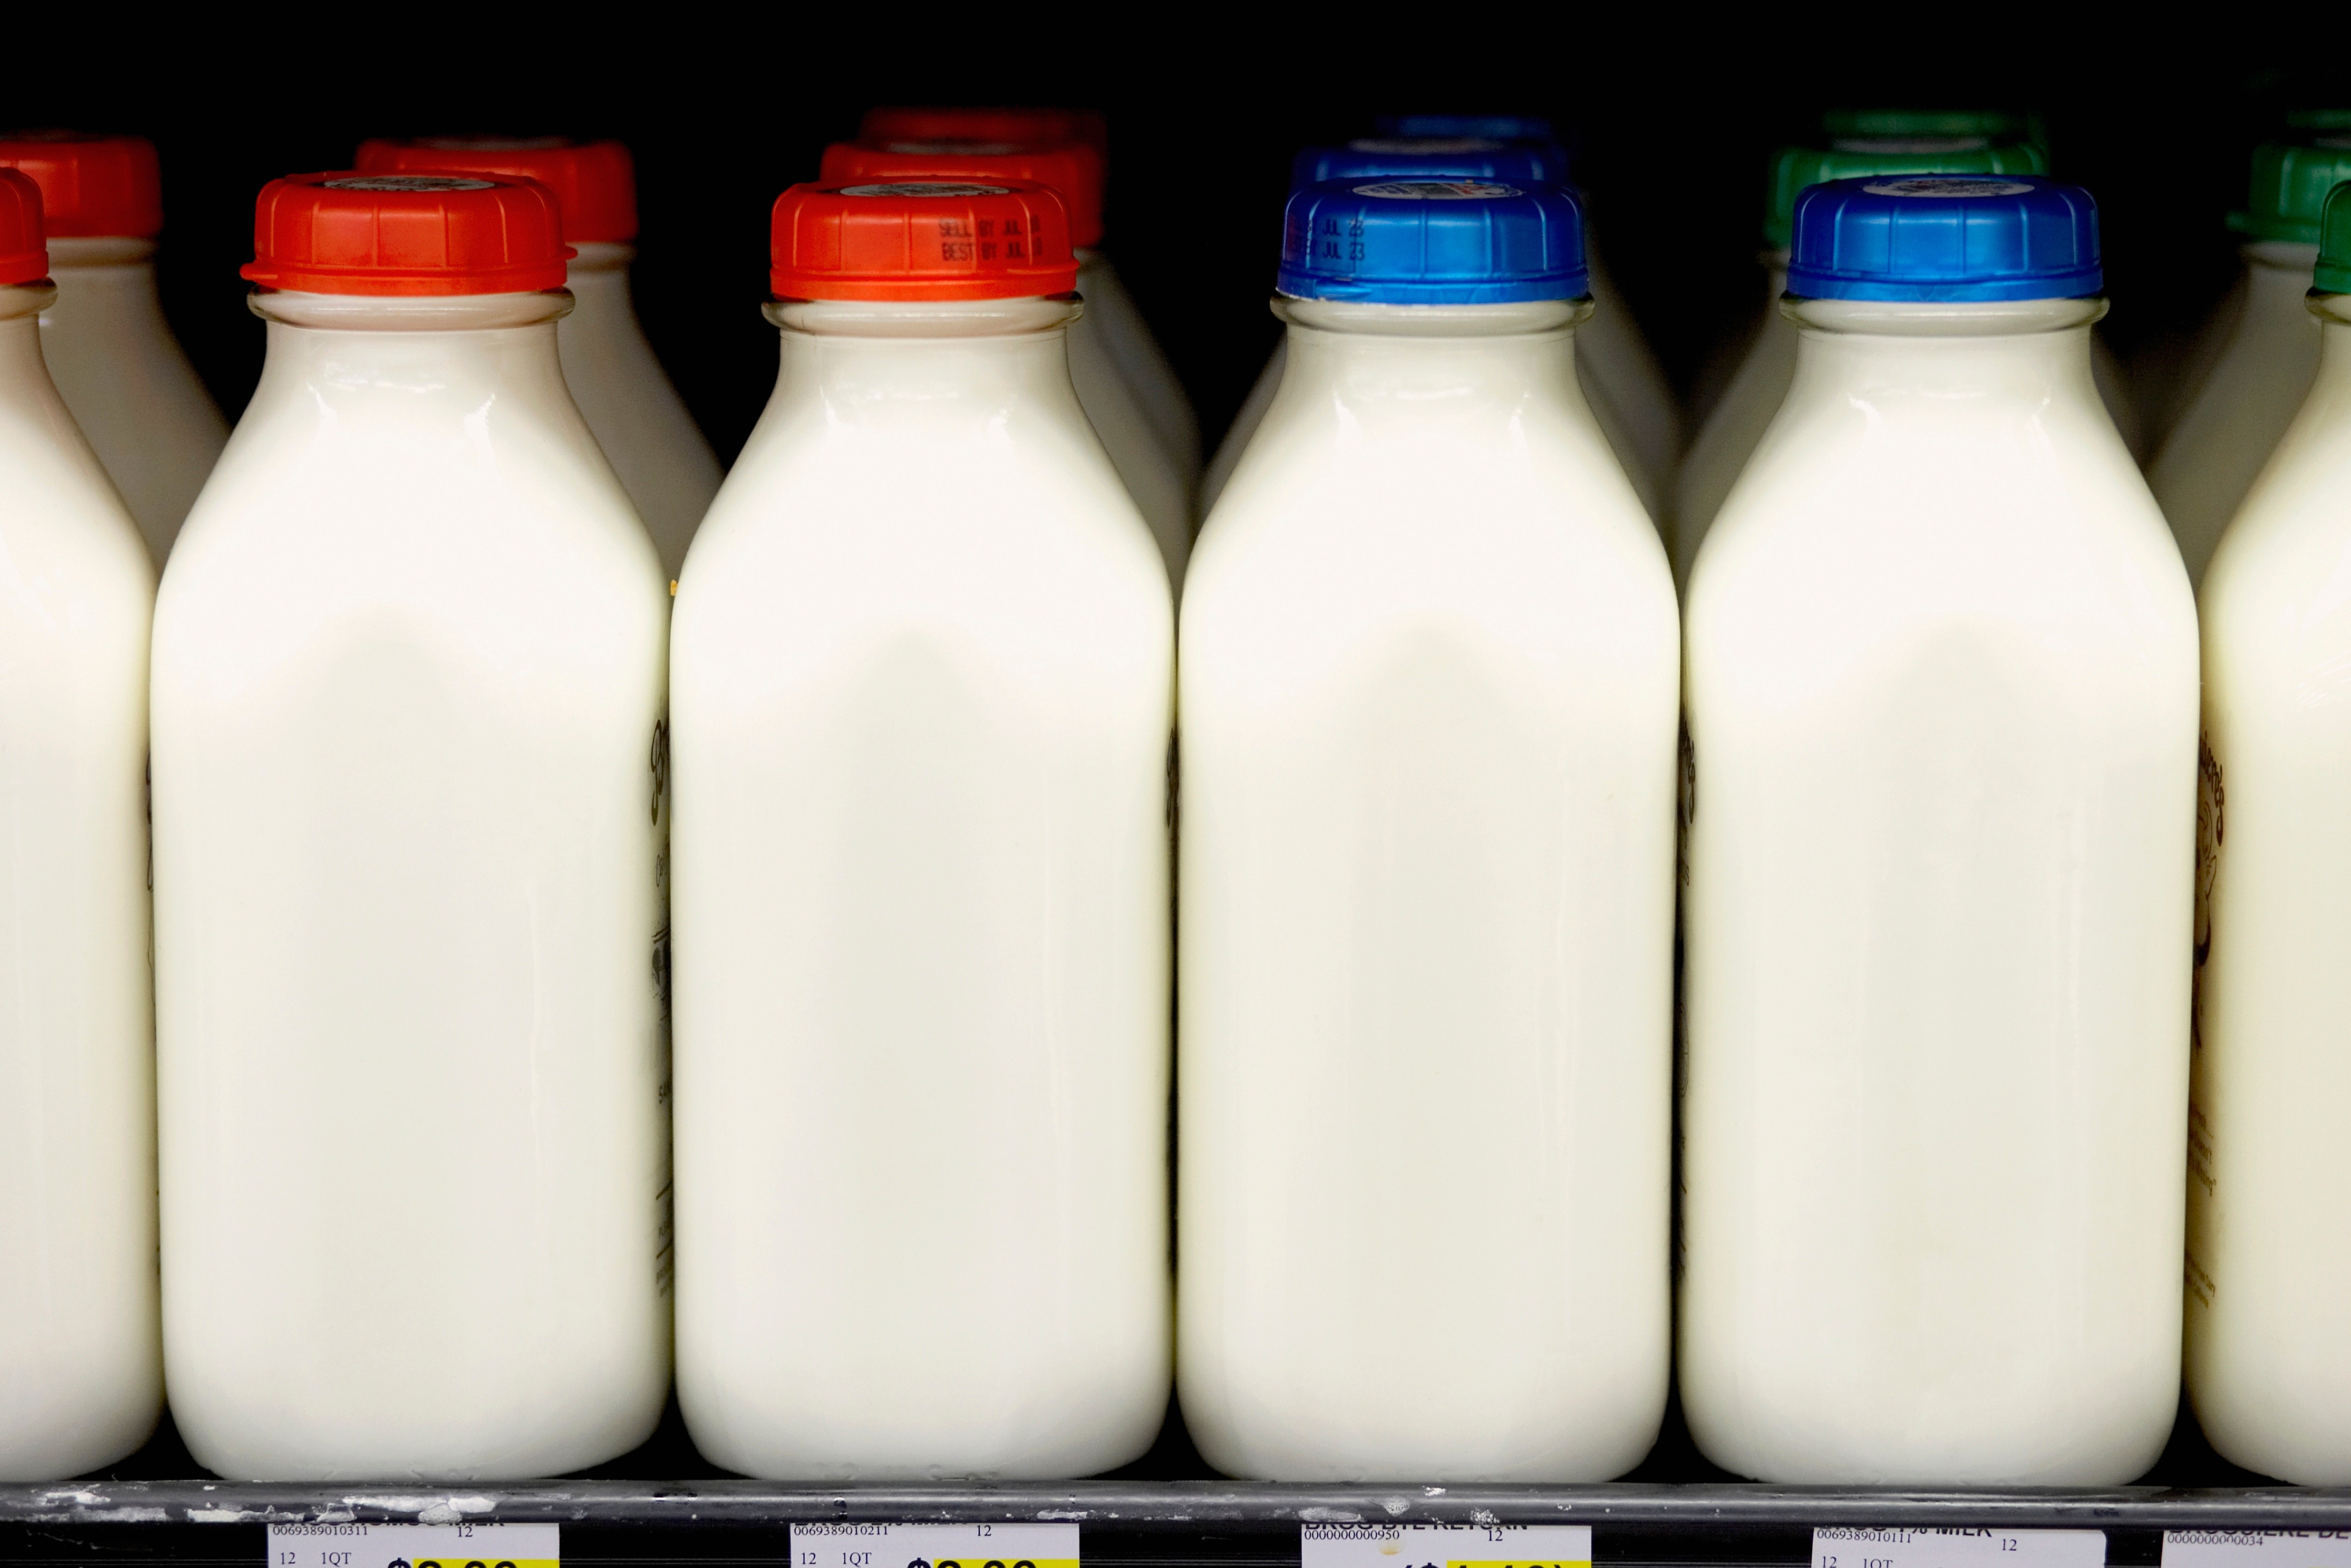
1619, 370
660, 454
1429, 686
81, 1376
2269, 1366
408, 765
1160, 483
1111, 315
923, 685
108, 349
1757, 387
1941, 699
2230, 418
1435, 158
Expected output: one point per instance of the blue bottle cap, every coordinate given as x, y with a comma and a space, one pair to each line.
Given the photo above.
1494, 127
1433, 242
1432, 158
1945, 237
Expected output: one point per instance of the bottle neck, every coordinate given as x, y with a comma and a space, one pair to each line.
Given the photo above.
105, 287
598, 278
2033, 350
2334, 313
929, 363
23, 371
1370, 361
446, 357
2280, 262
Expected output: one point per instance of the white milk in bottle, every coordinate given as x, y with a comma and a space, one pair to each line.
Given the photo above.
924, 678
112, 355
1759, 385
2262, 359
81, 1376
408, 795
1619, 374
1157, 477
1622, 385
1112, 329
2269, 1365
1942, 696
660, 454
1429, 688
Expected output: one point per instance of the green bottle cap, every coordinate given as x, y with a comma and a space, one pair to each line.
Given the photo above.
2333, 274
2288, 188
1797, 167
1876, 124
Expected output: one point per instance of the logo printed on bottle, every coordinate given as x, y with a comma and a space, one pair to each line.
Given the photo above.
410, 183
1944, 185
925, 188
1439, 191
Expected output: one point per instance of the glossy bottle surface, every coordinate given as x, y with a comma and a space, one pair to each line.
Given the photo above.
1136, 406
662, 458
1735, 426
2269, 1368
408, 691
1624, 391
1941, 682
80, 1363
2229, 426
130, 388
923, 685
1627, 390
1429, 689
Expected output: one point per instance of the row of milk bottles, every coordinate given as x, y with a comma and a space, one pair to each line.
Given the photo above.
409, 736
412, 744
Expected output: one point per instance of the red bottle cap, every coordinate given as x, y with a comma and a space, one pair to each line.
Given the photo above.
91, 186
594, 182
347, 233
24, 252
1073, 170
1013, 127
996, 239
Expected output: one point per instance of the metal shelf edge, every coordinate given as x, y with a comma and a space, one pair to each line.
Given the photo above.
1171, 1505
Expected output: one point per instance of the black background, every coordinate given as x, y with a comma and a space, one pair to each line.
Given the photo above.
1673, 115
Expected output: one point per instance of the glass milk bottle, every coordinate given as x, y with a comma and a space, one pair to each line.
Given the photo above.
1448, 158
1941, 699
2259, 353
1622, 380
924, 686
408, 798
2269, 1366
1159, 482
1756, 386
1429, 688
81, 1378
662, 458
108, 349
1112, 329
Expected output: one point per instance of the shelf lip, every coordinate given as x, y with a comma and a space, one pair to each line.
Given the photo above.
1172, 1505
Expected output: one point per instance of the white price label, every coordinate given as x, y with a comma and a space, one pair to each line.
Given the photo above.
935, 1546
2257, 1549
1845, 1546
1445, 1546
415, 1546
